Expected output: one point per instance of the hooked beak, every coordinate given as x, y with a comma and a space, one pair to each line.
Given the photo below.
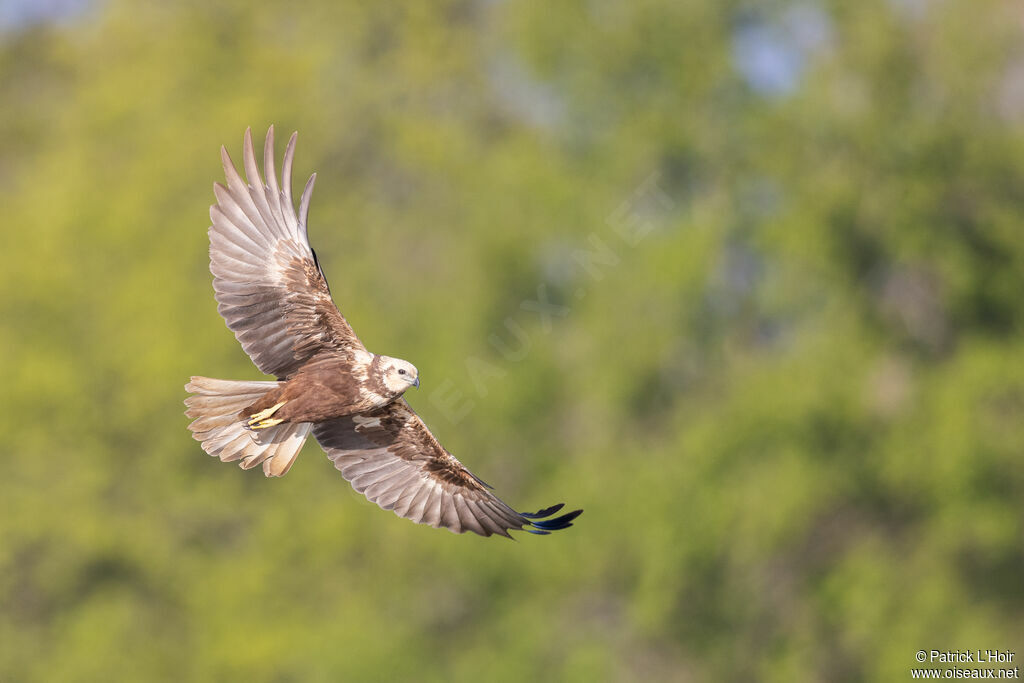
416, 383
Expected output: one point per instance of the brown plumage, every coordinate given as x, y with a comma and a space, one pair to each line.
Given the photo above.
274, 296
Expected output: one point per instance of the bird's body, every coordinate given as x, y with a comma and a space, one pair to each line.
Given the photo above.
274, 296
329, 387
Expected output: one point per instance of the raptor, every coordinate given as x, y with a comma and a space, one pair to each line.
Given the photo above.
273, 295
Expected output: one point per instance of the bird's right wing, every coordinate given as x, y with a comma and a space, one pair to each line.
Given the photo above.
267, 281
391, 457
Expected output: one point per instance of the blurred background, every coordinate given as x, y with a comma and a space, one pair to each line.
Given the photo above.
743, 280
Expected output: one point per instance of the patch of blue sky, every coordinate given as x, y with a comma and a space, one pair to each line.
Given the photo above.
772, 53
19, 14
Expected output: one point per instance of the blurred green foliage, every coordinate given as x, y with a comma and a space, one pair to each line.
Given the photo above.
792, 409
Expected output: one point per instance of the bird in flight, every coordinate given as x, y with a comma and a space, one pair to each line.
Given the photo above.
273, 295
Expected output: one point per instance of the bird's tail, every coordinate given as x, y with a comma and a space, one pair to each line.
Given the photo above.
215, 405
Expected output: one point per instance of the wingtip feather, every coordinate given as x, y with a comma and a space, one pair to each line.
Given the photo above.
546, 512
225, 160
545, 526
307, 194
286, 167
252, 172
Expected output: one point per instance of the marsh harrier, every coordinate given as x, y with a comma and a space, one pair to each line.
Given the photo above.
273, 295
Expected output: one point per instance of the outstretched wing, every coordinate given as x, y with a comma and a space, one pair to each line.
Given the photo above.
267, 282
391, 457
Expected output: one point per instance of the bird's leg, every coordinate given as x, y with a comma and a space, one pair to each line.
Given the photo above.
261, 419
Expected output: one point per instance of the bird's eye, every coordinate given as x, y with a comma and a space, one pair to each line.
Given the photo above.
401, 371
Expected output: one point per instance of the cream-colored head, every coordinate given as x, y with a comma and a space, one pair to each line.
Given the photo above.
398, 375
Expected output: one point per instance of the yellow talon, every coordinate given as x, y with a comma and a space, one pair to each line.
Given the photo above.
260, 421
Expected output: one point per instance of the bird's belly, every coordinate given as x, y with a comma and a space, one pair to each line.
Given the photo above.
319, 402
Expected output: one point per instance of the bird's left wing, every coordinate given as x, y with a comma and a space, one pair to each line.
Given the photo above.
391, 457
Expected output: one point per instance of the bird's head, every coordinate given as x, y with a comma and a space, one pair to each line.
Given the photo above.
399, 375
